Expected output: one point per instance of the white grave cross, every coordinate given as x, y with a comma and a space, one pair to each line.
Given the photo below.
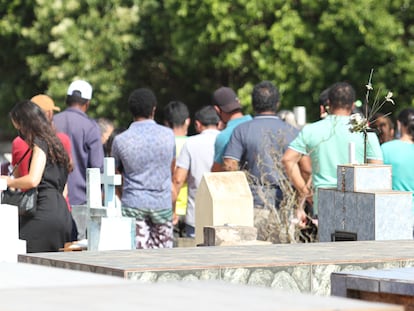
109, 179
107, 229
93, 188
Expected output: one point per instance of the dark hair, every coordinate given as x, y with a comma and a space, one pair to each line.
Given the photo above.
175, 113
406, 118
341, 95
75, 99
324, 97
34, 123
265, 97
108, 145
382, 115
142, 102
207, 116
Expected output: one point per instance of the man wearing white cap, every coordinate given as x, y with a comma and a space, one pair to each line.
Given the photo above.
85, 136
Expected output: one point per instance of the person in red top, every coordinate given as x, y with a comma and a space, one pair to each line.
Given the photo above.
19, 146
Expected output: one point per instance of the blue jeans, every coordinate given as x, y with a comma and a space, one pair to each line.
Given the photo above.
266, 196
189, 231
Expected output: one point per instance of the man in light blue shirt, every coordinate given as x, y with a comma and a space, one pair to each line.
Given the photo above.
229, 109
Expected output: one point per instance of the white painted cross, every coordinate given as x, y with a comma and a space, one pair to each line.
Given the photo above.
107, 229
109, 179
93, 188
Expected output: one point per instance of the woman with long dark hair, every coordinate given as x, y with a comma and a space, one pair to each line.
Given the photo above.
50, 228
400, 153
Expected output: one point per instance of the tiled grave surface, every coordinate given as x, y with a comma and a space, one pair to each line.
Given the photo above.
292, 267
381, 215
364, 204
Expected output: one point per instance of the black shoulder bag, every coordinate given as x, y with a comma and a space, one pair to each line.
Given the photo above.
26, 201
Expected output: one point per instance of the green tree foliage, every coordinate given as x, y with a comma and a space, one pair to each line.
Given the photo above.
15, 80
186, 49
303, 46
91, 40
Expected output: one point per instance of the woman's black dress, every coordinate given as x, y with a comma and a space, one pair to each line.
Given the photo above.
50, 228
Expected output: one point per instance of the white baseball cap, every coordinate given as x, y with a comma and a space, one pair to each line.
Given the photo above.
81, 86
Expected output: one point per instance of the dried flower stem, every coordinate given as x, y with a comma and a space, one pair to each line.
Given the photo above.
369, 88
361, 124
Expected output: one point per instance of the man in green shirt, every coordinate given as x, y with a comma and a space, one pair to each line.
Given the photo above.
327, 142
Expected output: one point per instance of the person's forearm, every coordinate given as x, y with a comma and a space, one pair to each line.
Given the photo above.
294, 163
217, 167
176, 187
230, 165
298, 181
178, 180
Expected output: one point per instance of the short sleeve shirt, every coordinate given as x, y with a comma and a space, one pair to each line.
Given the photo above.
196, 156
258, 146
87, 149
224, 137
144, 153
327, 143
400, 155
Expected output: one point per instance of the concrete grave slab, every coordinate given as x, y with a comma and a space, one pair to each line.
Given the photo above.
176, 297
293, 267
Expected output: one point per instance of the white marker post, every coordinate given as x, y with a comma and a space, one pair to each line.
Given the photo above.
300, 115
351, 152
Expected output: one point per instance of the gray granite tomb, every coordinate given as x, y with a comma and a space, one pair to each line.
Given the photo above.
364, 205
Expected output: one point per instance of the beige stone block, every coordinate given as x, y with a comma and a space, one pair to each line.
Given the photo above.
223, 198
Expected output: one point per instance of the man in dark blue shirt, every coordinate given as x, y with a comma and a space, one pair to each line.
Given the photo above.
85, 136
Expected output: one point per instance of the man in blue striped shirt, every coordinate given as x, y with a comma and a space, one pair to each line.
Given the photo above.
85, 137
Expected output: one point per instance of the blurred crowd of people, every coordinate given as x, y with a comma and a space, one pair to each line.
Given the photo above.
161, 166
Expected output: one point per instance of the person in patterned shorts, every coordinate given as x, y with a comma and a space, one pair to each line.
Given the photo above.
145, 156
